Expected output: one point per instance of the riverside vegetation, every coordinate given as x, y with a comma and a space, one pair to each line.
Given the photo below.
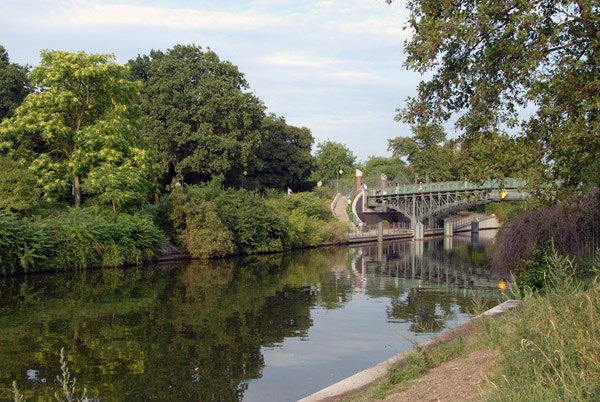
203, 220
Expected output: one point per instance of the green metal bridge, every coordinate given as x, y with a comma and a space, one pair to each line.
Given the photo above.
436, 200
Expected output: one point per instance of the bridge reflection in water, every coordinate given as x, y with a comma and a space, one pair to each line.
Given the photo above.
455, 265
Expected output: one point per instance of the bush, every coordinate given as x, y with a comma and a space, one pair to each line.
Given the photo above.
19, 192
76, 238
570, 228
24, 245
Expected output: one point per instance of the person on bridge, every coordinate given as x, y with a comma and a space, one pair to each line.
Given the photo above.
420, 183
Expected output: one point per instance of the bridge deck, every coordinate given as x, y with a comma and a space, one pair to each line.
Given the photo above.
406, 189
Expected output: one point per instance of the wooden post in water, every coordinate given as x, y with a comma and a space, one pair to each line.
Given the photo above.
380, 231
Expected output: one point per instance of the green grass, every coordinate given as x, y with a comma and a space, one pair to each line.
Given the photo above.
419, 363
551, 347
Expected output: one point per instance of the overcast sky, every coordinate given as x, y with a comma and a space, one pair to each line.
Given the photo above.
334, 66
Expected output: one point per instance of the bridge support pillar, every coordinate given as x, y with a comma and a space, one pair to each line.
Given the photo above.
419, 231
448, 230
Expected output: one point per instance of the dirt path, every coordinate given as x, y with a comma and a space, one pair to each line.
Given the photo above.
461, 379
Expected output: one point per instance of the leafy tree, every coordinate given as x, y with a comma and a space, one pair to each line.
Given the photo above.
426, 152
491, 59
284, 154
79, 129
389, 166
14, 85
196, 114
332, 156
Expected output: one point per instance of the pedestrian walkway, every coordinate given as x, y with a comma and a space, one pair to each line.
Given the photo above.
339, 209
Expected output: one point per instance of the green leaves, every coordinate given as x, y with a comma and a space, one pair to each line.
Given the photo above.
491, 60
196, 114
332, 156
80, 127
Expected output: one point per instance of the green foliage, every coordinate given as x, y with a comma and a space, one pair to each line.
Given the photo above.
79, 129
506, 210
532, 273
492, 59
426, 153
308, 204
210, 222
196, 114
24, 245
76, 238
256, 227
14, 85
284, 155
19, 193
331, 157
389, 166
549, 347
196, 220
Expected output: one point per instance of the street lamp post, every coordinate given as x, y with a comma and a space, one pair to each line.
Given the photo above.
339, 172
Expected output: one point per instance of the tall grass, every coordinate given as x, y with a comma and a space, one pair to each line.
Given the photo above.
551, 348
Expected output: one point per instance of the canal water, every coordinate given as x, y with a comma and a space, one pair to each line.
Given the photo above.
263, 328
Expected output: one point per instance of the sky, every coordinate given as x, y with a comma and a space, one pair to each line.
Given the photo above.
333, 66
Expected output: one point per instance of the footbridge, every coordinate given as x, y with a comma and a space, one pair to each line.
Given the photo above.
421, 202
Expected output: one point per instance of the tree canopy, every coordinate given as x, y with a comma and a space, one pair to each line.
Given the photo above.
79, 129
196, 114
427, 153
332, 156
284, 155
14, 85
492, 60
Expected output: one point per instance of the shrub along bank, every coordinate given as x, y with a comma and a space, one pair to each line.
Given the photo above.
207, 221
204, 221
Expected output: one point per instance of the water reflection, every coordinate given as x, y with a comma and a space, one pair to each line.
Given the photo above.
274, 327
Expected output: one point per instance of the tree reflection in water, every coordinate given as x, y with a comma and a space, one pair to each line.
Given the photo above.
197, 331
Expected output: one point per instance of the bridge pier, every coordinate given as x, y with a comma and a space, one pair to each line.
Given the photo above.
448, 229
419, 231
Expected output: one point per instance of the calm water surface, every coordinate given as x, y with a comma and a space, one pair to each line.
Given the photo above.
265, 328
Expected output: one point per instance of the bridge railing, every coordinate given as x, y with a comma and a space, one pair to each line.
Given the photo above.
365, 230
446, 186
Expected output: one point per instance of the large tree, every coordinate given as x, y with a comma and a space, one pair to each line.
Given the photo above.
77, 131
492, 59
284, 155
427, 153
332, 156
197, 114
14, 85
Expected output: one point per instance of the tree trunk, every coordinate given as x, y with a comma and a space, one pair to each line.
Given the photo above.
77, 191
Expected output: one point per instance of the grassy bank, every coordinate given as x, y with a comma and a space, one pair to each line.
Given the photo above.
549, 350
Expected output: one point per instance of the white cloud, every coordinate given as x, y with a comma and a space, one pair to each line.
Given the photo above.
86, 14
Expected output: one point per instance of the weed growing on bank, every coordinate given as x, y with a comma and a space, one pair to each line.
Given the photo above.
551, 347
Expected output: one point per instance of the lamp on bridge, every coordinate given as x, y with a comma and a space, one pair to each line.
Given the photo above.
340, 172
